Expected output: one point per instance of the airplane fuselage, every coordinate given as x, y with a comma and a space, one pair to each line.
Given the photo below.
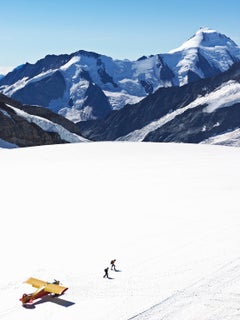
28, 298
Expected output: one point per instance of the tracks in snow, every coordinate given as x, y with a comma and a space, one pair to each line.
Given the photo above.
214, 297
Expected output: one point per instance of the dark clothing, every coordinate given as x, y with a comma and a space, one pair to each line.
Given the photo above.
113, 267
106, 273
56, 281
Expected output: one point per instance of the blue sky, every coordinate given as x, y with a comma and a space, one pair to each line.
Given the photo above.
31, 29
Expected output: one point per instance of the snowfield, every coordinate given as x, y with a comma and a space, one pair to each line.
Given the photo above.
168, 214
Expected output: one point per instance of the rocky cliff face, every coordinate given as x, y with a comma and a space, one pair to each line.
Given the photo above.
24, 126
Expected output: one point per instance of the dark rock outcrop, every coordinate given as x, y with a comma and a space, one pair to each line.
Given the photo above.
95, 98
15, 129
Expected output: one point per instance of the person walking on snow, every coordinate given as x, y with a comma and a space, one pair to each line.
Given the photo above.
106, 273
113, 267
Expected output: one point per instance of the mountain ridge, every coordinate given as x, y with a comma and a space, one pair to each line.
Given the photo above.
62, 83
193, 113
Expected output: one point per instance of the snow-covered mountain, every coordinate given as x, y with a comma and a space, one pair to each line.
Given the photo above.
205, 111
86, 85
24, 125
168, 214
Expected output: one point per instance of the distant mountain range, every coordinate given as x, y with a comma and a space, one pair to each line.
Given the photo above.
86, 85
191, 94
204, 111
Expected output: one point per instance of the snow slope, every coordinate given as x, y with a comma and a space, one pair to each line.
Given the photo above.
207, 37
49, 126
209, 298
223, 96
231, 138
169, 214
206, 45
7, 145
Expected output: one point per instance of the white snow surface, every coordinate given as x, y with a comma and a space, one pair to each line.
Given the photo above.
206, 37
231, 138
168, 213
215, 47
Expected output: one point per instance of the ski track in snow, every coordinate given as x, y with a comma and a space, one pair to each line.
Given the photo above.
205, 298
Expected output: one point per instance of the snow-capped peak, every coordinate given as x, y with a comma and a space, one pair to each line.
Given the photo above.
206, 37
76, 78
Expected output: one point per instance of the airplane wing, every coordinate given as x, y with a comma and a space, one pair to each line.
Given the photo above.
55, 288
36, 282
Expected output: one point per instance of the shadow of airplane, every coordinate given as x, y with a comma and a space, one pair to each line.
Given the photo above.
52, 299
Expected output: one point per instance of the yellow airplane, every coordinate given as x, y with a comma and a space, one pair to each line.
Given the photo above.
43, 289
